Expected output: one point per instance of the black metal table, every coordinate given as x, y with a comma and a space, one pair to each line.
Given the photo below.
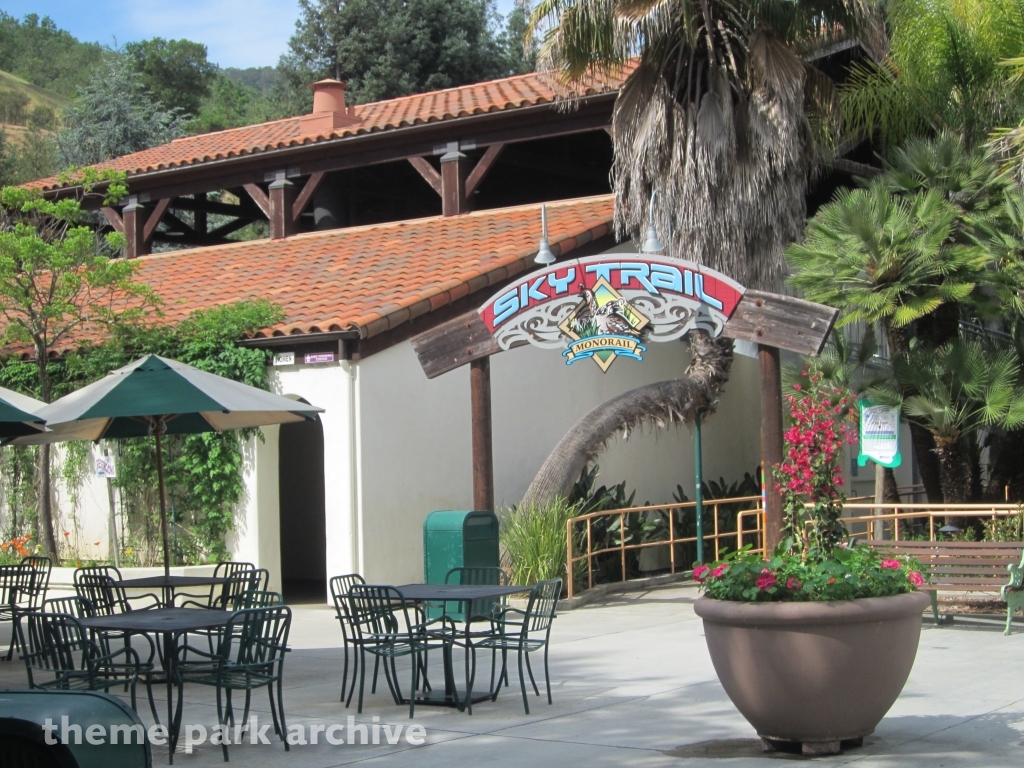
169, 583
467, 594
168, 622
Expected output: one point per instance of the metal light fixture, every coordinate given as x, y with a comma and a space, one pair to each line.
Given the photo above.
544, 255
651, 243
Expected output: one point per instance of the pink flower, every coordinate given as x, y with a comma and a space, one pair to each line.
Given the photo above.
700, 572
793, 583
888, 562
766, 580
717, 573
915, 578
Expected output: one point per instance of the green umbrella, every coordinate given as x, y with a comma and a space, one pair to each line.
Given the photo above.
18, 414
156, 396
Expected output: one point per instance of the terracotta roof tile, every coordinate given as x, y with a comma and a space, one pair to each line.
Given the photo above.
370, 278
494, 96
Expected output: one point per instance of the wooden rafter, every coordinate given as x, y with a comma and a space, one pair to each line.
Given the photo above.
482, 167
113, 218
306, 194
154, 218
261, 198
426, 170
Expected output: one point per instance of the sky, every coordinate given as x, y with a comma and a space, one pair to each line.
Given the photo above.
237, 33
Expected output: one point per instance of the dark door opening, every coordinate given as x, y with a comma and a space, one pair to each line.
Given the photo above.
303, 515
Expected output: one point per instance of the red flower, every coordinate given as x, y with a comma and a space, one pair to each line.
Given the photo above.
717, 573
700, 572
888, 562
793, 583
915, 578
766, 580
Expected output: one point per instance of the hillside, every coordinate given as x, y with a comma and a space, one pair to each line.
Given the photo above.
36, 96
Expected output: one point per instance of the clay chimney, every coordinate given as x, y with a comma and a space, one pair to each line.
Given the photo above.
329, 109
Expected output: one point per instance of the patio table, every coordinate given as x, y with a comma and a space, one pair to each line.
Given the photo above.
171, 623
169, 583
452, 696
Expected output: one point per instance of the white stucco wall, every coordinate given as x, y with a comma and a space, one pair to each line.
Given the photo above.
416, 446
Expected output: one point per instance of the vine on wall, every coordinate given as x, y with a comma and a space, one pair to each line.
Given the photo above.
203, 472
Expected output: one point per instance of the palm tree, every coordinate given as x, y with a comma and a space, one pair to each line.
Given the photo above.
959, 389
911, 251
942, 71
715, 114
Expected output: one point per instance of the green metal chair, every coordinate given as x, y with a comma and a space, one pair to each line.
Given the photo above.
60, 654
385, 627
16, 596
479, 611
524, 632
250, 654
340, 587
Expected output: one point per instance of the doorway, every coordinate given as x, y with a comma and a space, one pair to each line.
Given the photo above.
303, 514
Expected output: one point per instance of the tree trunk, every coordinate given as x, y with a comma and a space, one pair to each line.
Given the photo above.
892, 489
921, 438
660, 404
45, 497
953, 467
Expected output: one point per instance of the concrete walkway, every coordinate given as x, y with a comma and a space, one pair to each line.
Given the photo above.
632, 684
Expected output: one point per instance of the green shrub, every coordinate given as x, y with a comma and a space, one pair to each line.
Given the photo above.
533, 541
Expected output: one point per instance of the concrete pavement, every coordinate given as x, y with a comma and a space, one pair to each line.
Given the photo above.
632, 684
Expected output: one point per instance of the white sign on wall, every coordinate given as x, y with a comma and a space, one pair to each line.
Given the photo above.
105, 467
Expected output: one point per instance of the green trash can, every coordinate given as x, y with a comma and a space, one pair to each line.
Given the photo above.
458, 539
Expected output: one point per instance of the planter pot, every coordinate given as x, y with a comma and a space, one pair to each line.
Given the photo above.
817, 673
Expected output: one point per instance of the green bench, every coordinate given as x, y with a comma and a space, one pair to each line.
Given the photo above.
966, 566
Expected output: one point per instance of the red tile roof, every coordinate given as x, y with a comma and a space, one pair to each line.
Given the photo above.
494, 96
371, 278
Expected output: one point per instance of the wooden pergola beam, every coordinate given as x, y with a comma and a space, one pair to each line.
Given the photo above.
306, 194
259, 197
426, 170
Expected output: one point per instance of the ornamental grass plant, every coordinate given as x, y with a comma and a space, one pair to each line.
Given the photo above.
533, 540
811, 563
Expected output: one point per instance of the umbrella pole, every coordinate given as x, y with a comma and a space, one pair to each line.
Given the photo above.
163, 504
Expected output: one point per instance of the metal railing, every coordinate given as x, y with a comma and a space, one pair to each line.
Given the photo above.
888, 520
579, 534
881, 523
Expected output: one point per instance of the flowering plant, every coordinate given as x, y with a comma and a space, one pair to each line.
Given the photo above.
12, 551
820, 426
847, 574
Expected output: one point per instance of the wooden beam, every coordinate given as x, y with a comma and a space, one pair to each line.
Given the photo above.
363, 150
854, 168
282, 200
154, 218
113, 217
426, 170
454, 169
771, 442
200, 203
781, 321
483, 165
306, 194
483, 456
453, 344
259, 197
134, 216
762, 317
170, 219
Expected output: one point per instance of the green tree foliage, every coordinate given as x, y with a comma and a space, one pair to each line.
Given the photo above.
942, 72
57, 279
203, 471
51, 58
958, 389
114, 115
388, 48
232, 104
176, 73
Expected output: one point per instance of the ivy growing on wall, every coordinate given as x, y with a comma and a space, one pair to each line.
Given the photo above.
204, 472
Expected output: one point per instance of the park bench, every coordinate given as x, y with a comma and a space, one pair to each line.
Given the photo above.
966, 566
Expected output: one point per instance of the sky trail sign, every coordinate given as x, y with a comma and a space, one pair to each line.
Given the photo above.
610, 306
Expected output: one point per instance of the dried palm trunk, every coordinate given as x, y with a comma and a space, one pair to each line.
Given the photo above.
659, 405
